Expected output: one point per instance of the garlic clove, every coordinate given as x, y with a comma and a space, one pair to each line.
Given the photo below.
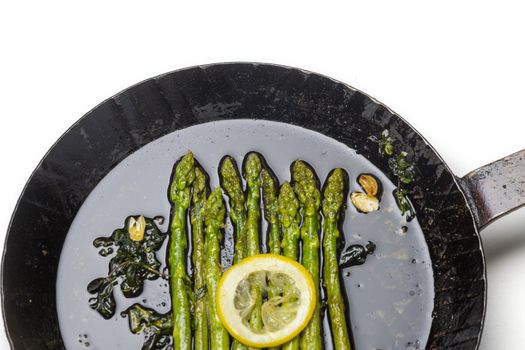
369, 184
363, 202
137, 228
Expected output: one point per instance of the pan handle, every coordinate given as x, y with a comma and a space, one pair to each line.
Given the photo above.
495, 189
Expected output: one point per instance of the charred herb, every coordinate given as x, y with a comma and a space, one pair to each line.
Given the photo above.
157, 327
356, 254
134, 261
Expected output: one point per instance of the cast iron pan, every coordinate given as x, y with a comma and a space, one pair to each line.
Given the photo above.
424, 288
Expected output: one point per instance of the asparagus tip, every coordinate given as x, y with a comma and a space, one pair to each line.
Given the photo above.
333, 195
252, 167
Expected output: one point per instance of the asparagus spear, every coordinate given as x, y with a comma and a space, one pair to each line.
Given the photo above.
288, 206
200, 191
307, 190
269, 184
214, 213
252, 172
333, 197
179, 196
232, 185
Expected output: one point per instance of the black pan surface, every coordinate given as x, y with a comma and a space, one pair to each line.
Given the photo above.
144, 125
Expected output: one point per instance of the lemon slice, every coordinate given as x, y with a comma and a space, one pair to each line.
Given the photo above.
284, 314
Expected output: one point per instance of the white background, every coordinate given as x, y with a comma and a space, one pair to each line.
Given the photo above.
454, 70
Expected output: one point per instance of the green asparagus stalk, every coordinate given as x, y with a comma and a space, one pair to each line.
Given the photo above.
333, 198
252, 172
179, 196
214, 213
200, 191
288, 206
307, 190
269, 184
232, 185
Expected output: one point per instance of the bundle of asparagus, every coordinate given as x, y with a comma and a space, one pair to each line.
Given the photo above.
296, 214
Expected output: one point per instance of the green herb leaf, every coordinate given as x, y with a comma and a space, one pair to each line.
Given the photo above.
404, 203
402, 168
385, 143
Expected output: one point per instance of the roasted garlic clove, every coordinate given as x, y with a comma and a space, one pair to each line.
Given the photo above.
363, 202
136, 228
369, 184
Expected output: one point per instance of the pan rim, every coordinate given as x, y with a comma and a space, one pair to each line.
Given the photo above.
232, 63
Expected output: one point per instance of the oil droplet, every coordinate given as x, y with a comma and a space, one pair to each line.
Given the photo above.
414, 261
413, 346
347, 274
412, 293
402, 231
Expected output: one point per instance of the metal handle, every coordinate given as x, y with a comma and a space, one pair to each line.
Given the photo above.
495, 189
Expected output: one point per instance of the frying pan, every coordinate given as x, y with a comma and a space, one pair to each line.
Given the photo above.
450, 210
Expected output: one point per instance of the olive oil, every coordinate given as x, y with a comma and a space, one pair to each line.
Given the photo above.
389, 297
